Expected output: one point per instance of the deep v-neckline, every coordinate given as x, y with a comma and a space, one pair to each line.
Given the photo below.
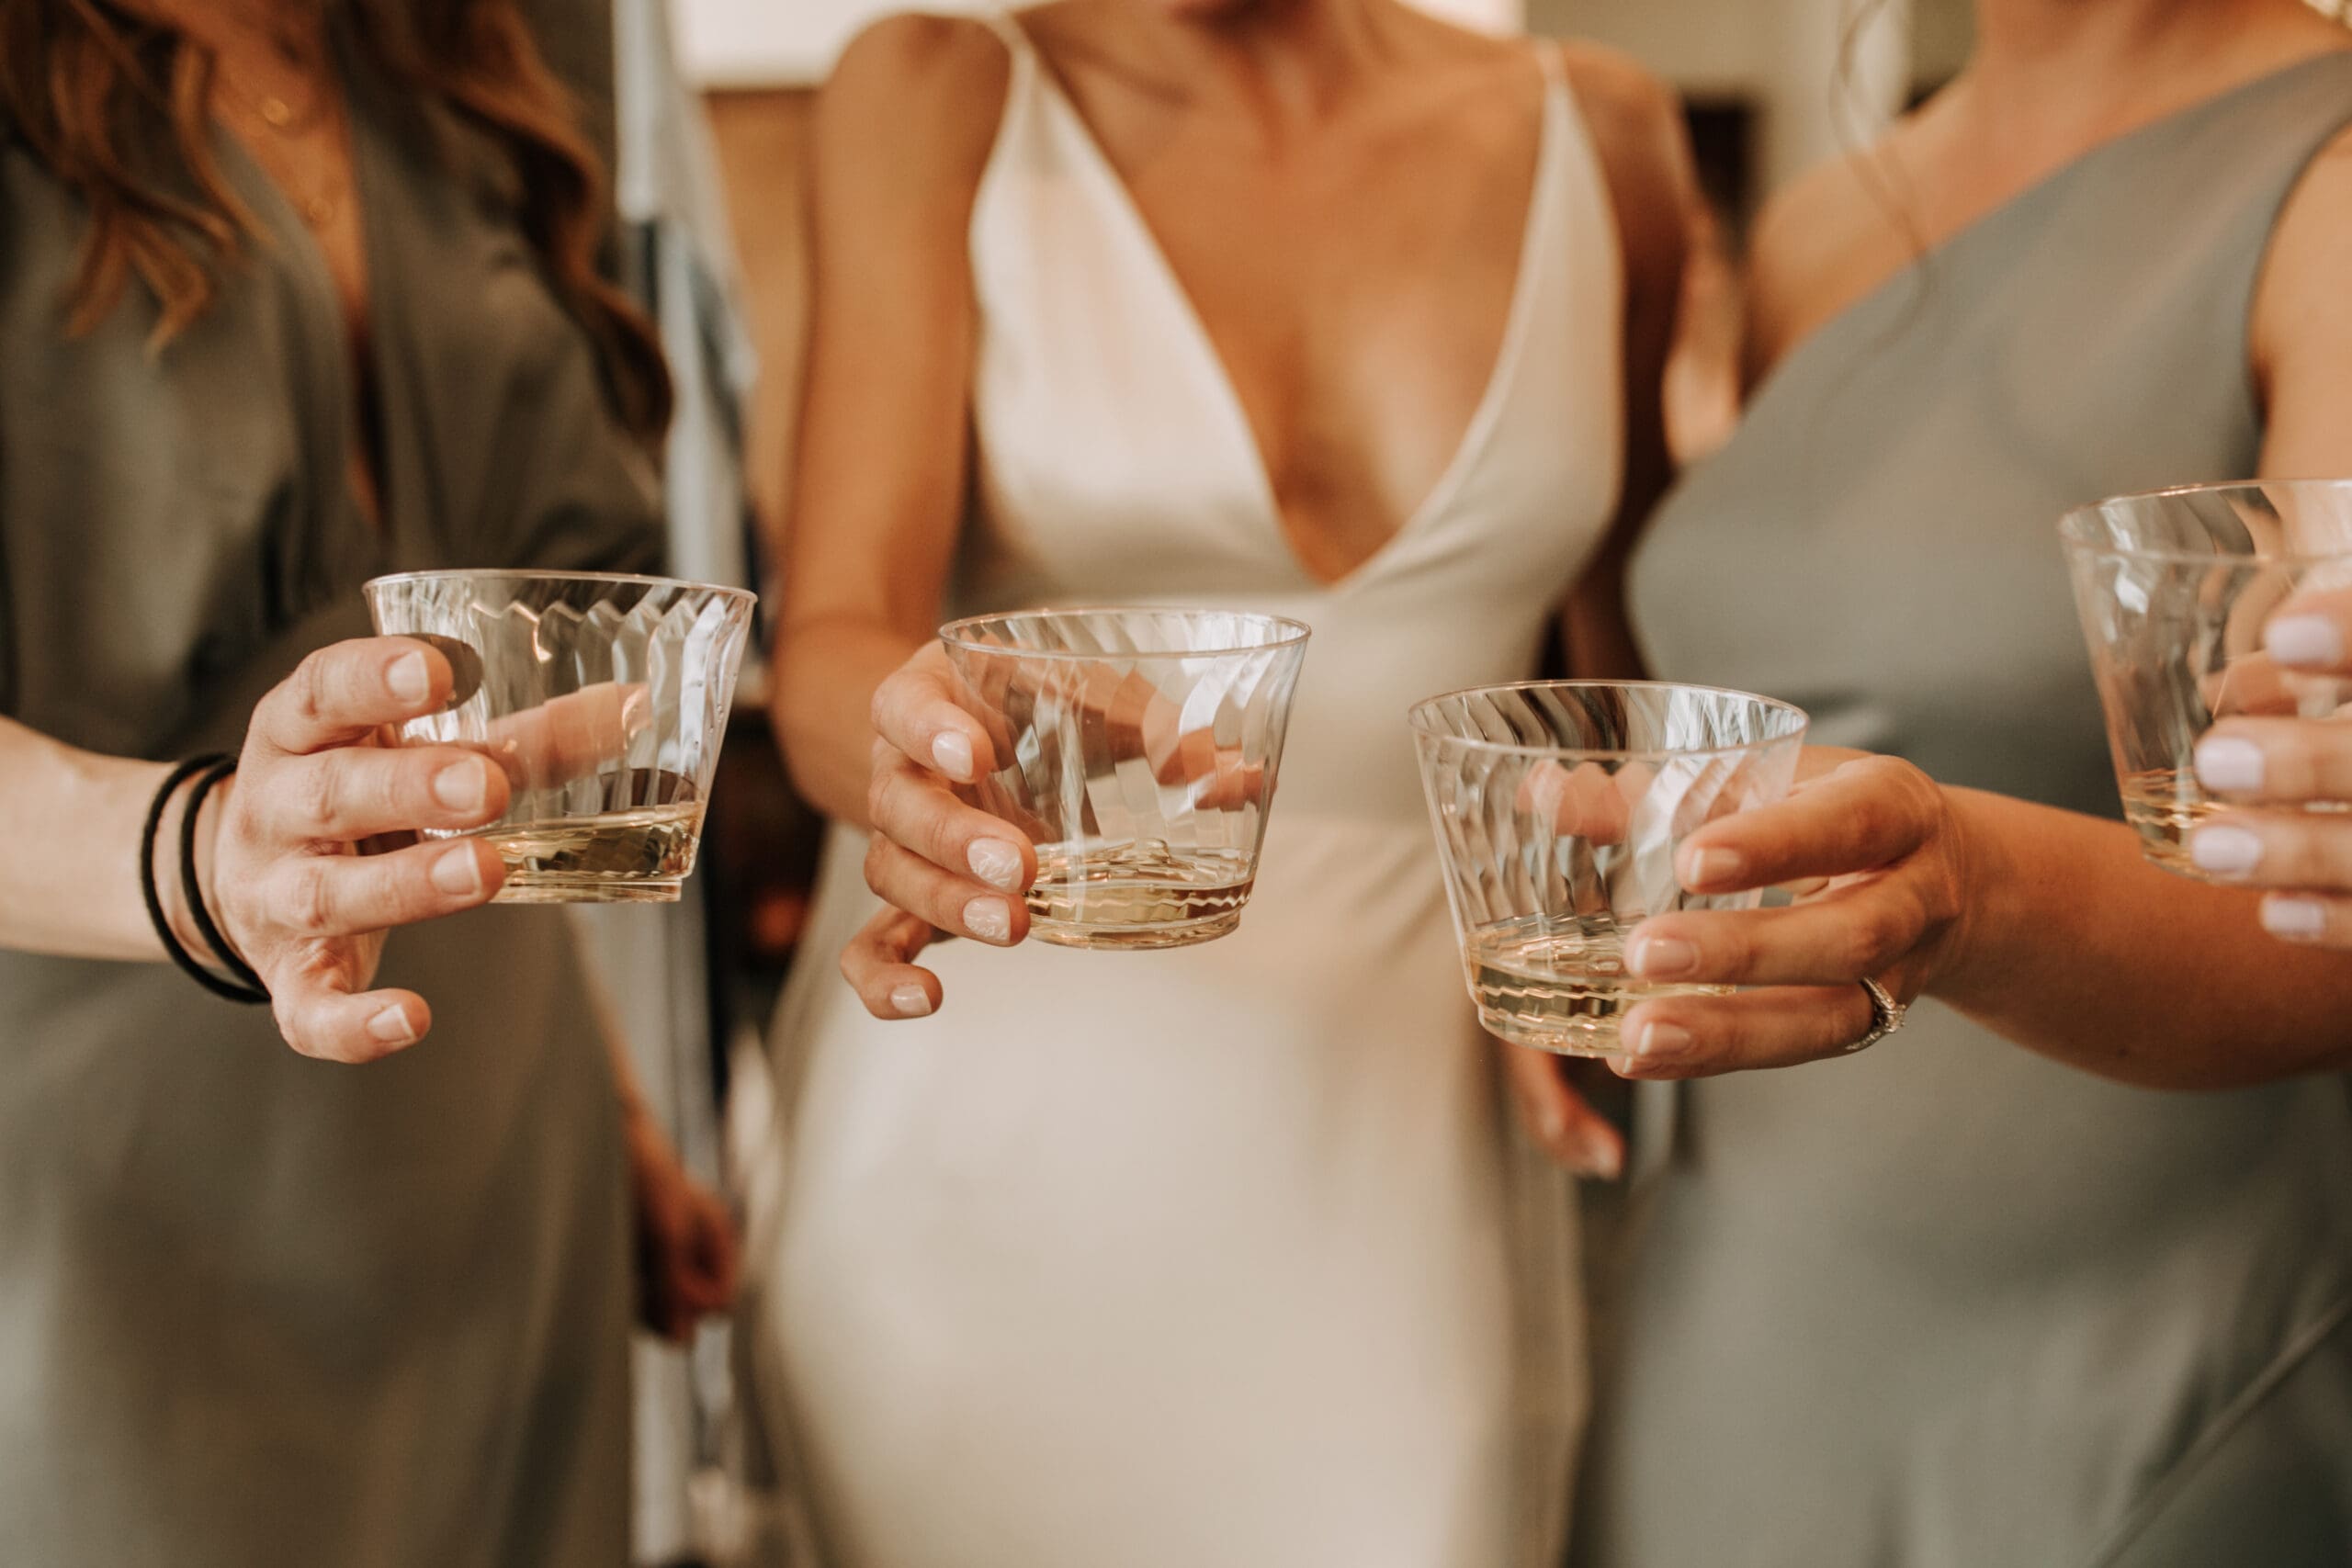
1234, 414
356, 364
1874, 301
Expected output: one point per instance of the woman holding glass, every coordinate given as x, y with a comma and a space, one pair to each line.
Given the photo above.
292, 295
1219, 1254
1950, 1301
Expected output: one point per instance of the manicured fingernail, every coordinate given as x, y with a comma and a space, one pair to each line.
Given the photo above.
1714, 868
1594, 1154
996, 862
2224, 850
408, 677
1662, 1041
1660, 957
637, 713
911, 1001
459, 872
2303, 640
951, 753
990, 919
391, 1026
2228, 762
2296, 919
463, 786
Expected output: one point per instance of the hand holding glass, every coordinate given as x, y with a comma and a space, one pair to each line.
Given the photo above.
604, 699
1138, 749
2175, 590
1558, 808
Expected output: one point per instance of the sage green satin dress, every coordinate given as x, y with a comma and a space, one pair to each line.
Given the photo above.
1949, 1304
257, 1310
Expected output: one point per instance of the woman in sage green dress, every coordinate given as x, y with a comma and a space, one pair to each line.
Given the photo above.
291, 295
2061, 1274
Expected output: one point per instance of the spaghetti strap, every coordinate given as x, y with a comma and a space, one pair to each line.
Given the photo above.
1008, 31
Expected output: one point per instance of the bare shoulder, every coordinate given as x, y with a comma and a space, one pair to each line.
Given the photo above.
1814, 238
2302, 322
1638, 129
914, 99
1618, 94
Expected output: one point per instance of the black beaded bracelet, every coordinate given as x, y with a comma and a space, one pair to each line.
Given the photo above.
178, 953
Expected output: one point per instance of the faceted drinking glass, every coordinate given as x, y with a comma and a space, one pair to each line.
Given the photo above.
603, 697
2172, 589
1137, 749
1558, 805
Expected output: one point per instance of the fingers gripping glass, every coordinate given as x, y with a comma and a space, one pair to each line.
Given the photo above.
1138, 749
2174, 589
603, 698
1558, 808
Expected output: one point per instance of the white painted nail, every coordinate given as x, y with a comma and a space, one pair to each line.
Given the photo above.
1661, 957
391, 1026
408, 678
463, 786
1662, 1042
910, 1001
1596, 1156
951, 753
2296, 919
2303, 640
996, 862
1714, 868
990, 919
2228, 762
2224, 850
457, 873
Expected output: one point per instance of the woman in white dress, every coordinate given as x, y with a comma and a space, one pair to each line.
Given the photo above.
1221, 1255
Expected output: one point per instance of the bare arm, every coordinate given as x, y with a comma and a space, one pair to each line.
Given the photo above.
901, 134
72, 887
275, 846
2043, 924
1654, 189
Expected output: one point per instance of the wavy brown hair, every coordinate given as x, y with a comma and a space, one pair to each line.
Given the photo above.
116, 102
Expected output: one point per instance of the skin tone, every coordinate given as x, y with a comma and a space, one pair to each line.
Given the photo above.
279, 844
2045, 926
1357, 140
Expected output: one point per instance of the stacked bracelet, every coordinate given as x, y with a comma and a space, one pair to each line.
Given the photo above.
244, 985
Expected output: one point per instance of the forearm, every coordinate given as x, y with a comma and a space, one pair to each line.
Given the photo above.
71, 842
823, 705
2074, 946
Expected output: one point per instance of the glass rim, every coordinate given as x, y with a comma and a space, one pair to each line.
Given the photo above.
1294, 632
1413, 717
533, 574
2075, 521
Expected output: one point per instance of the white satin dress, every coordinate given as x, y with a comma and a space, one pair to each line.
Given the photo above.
1226, 1256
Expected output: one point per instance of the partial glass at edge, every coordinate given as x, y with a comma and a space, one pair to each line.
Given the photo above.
1558, 807
2174, 589
603, 697
1137, 749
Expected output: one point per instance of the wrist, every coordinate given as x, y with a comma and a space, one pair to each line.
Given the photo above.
1986, 884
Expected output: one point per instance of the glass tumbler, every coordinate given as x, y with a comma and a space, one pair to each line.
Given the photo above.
2172, 589
1137, 749
603, 697
1558, 805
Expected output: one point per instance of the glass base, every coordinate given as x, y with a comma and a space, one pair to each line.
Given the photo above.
1134, 939
1600, 1040
525, 888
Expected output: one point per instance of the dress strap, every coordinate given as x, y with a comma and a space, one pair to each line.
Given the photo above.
1008, 31
1552, 60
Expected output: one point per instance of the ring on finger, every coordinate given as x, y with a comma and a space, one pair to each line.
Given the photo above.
1886, 1015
